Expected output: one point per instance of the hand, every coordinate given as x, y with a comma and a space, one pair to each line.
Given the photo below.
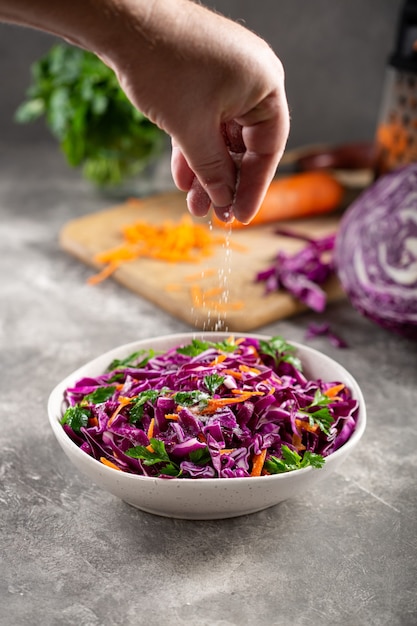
218, 90
215, 87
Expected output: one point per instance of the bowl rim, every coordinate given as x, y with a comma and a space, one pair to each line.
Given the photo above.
66, 441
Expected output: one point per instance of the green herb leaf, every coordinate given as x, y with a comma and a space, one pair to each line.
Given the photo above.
85, 108
99, 395
201, 456
158, 455
133, 359
76, 417
291, 461
138, 403
197, 346
213, 382
280, 350
190, 398
319, 413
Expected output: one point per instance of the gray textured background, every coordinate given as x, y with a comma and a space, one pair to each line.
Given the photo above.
334, 53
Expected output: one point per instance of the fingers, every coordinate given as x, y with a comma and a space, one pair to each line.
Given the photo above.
205, 168
265, 132
246, 155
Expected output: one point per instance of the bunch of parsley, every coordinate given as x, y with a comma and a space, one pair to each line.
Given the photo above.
86, 110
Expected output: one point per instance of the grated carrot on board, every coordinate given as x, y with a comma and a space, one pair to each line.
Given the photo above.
224, 307
199, 275
197, 296
184, 241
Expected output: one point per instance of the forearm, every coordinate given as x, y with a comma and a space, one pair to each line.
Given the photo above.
92, 24
200, 77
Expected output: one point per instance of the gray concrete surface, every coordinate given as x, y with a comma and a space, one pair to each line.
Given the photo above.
72, 555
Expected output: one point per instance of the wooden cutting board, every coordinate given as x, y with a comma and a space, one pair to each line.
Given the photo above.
232, 266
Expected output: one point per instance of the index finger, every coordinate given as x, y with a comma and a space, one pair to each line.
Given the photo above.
264, 131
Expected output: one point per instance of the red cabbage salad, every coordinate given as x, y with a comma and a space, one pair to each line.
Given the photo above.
241, 407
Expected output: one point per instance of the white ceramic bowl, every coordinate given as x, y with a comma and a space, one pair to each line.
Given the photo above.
203, 498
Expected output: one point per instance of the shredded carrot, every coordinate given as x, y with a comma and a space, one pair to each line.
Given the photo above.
172, 416
214, 291
197, 296
199, 275
107, 271
302, 425
173, 287
92, 421
184, 241
219, 359
235, 374
216, 403
296, 442
224, 307
334, 391
252, 370
227, 450
109, 463
201, 438
258, 461
123, 401
151, 428
250, 393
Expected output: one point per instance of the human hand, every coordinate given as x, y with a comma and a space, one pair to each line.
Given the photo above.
215, 87
218, 91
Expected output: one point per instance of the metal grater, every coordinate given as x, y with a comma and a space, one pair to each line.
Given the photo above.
396, 135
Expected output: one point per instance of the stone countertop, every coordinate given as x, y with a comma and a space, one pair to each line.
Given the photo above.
344, 554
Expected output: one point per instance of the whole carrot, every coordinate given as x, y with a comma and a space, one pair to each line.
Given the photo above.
295, 196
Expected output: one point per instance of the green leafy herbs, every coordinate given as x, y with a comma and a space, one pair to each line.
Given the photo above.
213, 382
136, 359
280, 350
138, 403
99, 395
291, 461
197, 346
183, 398
154, 455
201, 456
319, 413
191, 398
76, 417
87, 111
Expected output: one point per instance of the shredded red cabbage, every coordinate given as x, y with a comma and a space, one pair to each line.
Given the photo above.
210, 410
302, 274
320, 329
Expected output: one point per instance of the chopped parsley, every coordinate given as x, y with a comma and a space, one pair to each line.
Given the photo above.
157, 454
291, 460
280, 350
76, 417
197, 346
99, 395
